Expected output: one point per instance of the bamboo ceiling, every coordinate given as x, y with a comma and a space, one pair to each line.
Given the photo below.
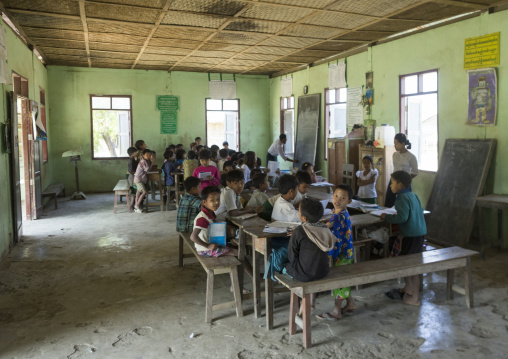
229, 36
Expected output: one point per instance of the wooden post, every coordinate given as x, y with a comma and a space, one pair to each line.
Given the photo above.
268, 288
468, 284
209, 296
449, 284
293, 310
255, 282
307, 341
236, 290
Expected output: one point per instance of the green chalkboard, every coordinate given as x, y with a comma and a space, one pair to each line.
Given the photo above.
167, 103
168, 123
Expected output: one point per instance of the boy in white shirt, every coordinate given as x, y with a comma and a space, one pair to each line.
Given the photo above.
283, 210
260, 182
230, 202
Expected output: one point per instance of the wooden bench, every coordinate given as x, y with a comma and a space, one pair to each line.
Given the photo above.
380, 270
213, 266
122, 189
54, 191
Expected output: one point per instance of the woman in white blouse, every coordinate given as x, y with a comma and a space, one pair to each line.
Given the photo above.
403, 160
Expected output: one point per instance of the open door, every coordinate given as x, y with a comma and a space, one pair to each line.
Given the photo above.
16, 181
35, 157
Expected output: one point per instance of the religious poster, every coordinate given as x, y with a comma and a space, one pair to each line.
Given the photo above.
482, 94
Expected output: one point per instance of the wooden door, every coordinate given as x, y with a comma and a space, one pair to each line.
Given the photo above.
35, 159
15, 176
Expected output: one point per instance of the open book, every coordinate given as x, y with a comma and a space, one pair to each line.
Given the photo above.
204, 175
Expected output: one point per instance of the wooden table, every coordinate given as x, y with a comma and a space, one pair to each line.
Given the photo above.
495, 201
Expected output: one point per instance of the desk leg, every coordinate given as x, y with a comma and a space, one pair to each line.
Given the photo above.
241, 258
128, 196
468, 284
450, 278
255, 283
293, 310
268, 288
500, 227
116, 202
480, 232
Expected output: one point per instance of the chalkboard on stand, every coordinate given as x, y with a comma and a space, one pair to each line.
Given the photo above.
307, 127
460, 179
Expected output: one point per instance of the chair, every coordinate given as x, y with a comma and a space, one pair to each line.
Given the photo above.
348, 175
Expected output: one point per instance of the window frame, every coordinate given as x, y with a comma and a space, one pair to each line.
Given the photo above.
44, 120
420, 92
327, 114
222, 110
91, 127
283, 110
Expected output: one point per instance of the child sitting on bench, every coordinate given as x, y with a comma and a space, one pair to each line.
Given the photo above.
342, 252
413, 229
190, 205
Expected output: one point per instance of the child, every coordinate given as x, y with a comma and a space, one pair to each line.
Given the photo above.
167, 168
253, 173
223, 153
180, 157
199, 148
304, 182
213, 159
189, 164
140, 179
230, 197
367, 181
403, 160
410, 219
131, 165
153, 158
249, 164
283, 210
210, 203
309, 168
260, 182
192, 146
342, 252
179, 146
190, 205
140, 146
198, 141
214, 178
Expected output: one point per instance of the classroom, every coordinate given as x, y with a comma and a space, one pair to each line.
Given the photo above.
228, 94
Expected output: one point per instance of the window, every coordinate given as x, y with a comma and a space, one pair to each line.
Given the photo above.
287, 122
223, 123
111, 126
335, 115
418, 116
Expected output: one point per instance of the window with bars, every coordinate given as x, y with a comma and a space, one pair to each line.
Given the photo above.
287, 122
335, 115
223, 123
111, 126
419, 116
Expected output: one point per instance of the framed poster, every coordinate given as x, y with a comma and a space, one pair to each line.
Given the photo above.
482, 95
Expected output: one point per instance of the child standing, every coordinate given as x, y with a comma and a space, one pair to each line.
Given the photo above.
214, 178
190, 205
180, 157
140, 179
367, 181
283, 210
403, 160
189, 164
260, 182
131, 165
167, 168
342, 252
410, 219
210, 201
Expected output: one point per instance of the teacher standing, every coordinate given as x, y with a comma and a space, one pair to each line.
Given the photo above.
276, 149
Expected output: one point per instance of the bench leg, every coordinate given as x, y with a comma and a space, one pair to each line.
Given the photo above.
209, 297
307, 341
56, 203
268, 290
241, 256
449, 284
293, 310
255, 283
128, 196
116, 203
468, 284
236, 290
180, 251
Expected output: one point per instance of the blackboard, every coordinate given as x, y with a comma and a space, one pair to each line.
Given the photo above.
307, 127
460, 179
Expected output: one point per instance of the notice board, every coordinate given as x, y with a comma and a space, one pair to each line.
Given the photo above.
460, 179
307, 127
481, 51
169, 123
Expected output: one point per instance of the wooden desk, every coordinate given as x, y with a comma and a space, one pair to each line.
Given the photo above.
155, 176
494, 201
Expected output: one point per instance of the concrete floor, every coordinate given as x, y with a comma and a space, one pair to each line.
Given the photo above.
86, 283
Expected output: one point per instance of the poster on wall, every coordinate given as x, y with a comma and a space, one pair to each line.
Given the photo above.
482, 94
337, 75
169, 123
354, 108
481, 51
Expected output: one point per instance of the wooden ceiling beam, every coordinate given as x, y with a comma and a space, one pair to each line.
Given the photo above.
82, 15
470, 5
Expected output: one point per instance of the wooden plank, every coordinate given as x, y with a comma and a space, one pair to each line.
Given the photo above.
293, 310
450, 278
122, 185
237, 291
82, 15
307, 340
256, 284
268, 290
209, 296
468, 284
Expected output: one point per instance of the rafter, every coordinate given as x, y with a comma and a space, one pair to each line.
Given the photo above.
82, 15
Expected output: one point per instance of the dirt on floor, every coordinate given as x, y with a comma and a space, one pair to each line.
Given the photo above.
86, 283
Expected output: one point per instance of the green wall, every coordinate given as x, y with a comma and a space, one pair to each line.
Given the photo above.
21, 60
70, 112
442, 49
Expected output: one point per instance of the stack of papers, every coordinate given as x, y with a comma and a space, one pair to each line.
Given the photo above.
280, 224
384, 210
322, 184
273, 166
274, 230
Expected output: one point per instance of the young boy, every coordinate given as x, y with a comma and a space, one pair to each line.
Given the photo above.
283, 210
260, 181
198, 141
223, 158
153, 158
140, 179
214, 178
190, 205
230, 197
342, 252
410, 219
167, 168
304, 182
210, 202
249, 184
131, 165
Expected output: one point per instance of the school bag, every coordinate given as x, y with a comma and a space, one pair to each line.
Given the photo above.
276, 261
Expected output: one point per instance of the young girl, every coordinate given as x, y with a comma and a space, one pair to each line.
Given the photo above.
248, 165
140, 179
190, 164
180, 157
309, 168
403, 160
214, 178
367, 181
342, 252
